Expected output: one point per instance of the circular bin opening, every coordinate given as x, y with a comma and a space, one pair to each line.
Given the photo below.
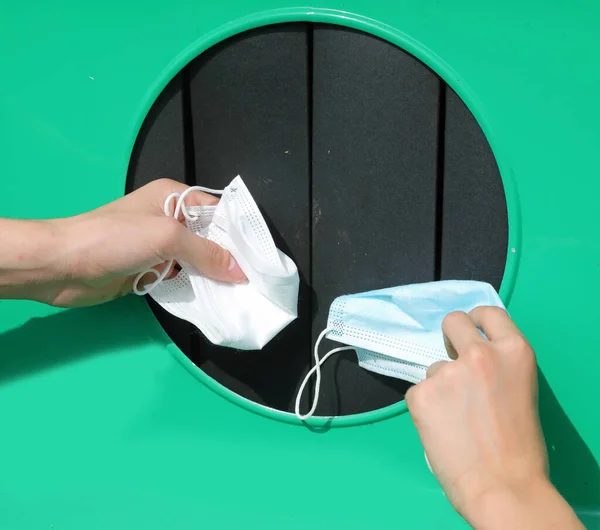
370, 171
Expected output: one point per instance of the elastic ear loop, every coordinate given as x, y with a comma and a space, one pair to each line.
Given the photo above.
179, 207
316, 368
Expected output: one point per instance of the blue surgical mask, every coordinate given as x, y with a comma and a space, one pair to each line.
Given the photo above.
396, 331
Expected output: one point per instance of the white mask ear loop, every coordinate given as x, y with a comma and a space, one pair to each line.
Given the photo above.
179, 207
316, 368
181, 202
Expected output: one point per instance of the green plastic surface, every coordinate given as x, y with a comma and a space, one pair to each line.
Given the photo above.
105, 424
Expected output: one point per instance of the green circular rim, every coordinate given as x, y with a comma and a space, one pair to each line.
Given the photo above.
429, 58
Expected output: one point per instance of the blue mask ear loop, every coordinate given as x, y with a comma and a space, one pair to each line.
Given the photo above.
179, 207
316, 368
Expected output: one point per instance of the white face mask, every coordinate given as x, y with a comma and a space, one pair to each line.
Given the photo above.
243, 316
397, 331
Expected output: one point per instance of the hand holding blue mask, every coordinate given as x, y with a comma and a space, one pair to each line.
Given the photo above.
396, 331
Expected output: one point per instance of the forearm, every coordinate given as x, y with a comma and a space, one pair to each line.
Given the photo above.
30, 259
538, 506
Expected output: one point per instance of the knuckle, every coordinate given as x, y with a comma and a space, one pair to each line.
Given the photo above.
158, 190
418, 398
216, 256
489, 317
517, 347
439, 369
450, 377
517, 343
450, 371
475, 352
212, 253
161, 188
480, 359
162, 183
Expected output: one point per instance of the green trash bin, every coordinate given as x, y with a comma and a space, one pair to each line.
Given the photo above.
117, 417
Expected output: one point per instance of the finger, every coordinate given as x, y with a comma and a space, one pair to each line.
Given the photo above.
208, 258
194, 198
435, 368
160, 189
197, 198
494, 322
460, 330
150, 277
175, 270
161, 267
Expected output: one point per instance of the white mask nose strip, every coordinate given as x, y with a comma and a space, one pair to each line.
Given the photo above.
316, 369
179, 208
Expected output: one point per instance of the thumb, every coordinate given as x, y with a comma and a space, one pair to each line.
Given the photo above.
208, 258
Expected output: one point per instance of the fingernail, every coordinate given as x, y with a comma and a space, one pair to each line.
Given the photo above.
235, 271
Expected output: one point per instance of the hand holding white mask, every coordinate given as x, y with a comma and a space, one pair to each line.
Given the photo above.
243, 316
